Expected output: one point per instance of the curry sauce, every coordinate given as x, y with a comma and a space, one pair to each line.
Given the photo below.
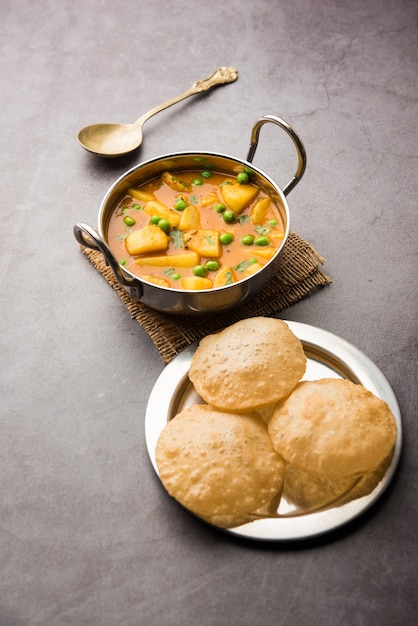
196, 229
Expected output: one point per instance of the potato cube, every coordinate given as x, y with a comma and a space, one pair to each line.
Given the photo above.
154, 207
259, 211
147, 239
196, 283
190, 218
253, 268
156, 280
265, 253
203, 241
237, 197
139, 194
225, 276
174, 182
209, 199
185, 259
276, 236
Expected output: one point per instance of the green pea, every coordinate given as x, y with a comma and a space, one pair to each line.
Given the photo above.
262, 241
272, 222
226, 238
175, 276
199, 270
180, 205
122, 262
219, 207
229, 216
129, 221
212, 266
242, 178
206, 174
247, 240
154, 219
197, 182
164, 225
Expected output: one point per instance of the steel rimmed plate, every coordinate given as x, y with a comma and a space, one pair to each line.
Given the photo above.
329, 356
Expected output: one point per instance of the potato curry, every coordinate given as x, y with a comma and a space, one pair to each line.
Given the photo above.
195, 230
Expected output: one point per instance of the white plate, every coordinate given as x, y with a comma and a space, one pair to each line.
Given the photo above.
328, 356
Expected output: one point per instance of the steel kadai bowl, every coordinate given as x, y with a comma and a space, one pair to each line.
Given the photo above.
188, 302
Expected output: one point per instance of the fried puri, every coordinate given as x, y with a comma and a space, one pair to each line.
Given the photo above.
333, 428
311, 493
251, 364
221, 466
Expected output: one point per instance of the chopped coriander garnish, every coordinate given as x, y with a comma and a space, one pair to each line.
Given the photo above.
262, 230
229, 279
241, 267
177, 237
172, 273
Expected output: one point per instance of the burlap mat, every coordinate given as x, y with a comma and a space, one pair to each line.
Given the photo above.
299, 273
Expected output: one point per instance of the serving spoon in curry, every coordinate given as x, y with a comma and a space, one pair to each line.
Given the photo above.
114, 140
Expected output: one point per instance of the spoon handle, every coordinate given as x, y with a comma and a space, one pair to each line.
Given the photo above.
221, 76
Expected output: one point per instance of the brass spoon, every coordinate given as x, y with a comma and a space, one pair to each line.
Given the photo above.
113, 140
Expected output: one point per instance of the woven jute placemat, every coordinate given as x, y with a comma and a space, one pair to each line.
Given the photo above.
299, 273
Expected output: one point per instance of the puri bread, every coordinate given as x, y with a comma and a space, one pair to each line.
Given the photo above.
333, 427
251, 364
221, 466
311, 492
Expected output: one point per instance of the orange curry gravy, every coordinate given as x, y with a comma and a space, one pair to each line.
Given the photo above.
221, 229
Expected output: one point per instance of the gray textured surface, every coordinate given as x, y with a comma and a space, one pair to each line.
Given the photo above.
87, 535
